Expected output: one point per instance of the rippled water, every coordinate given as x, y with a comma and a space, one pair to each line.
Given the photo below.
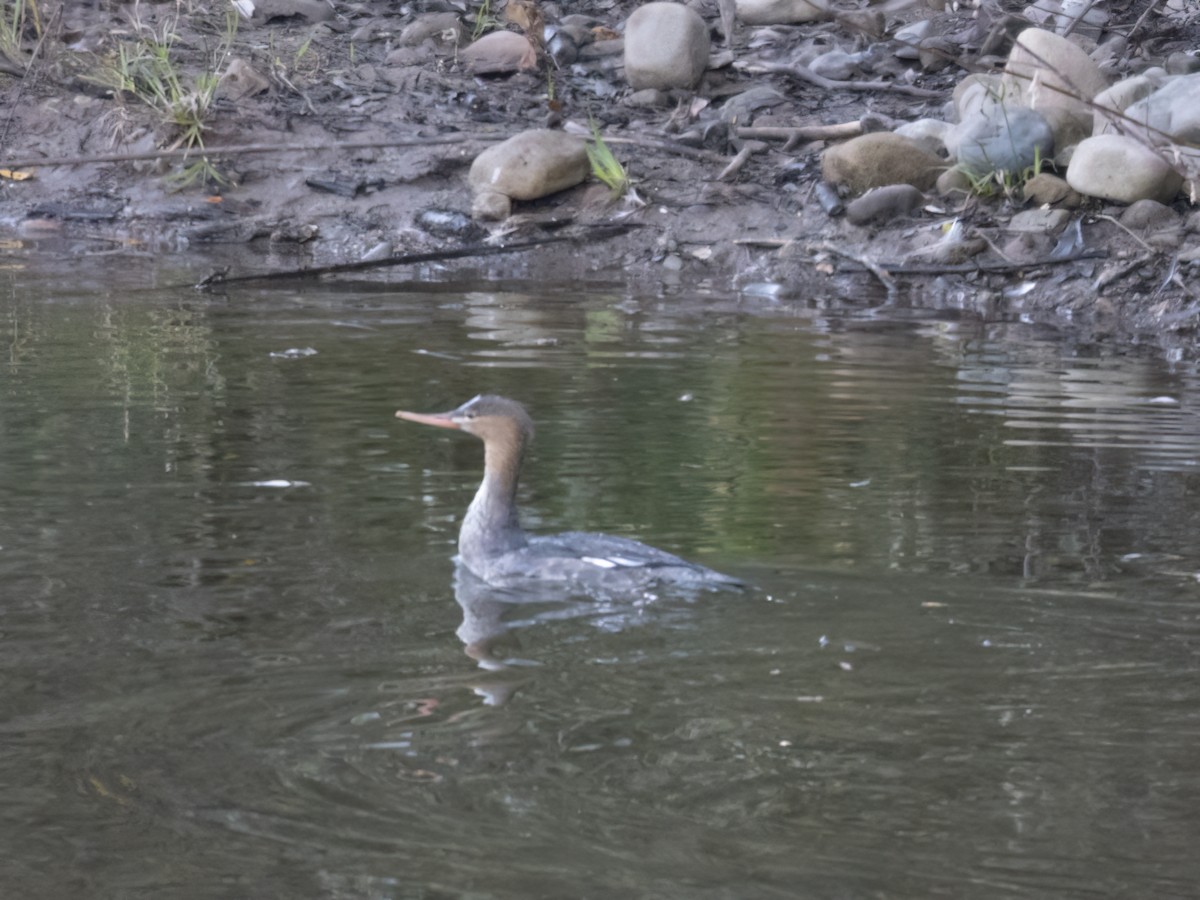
235, 662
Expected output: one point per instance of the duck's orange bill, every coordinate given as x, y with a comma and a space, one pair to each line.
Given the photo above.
438, 420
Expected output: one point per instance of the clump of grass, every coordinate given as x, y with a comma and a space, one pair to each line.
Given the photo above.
605, 166
148, 70
1002, 181
16, 16
485, 20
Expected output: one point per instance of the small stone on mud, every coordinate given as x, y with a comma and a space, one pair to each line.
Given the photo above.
883, 204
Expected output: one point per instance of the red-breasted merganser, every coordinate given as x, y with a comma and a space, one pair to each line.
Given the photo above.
493, 546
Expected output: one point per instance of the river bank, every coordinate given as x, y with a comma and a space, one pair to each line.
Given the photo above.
347, 135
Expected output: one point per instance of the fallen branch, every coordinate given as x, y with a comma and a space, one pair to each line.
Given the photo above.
740, 159
682, 149
803, 73
599, 232
804, 132
247, 150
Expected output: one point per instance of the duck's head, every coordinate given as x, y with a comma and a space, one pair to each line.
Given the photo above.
495, 420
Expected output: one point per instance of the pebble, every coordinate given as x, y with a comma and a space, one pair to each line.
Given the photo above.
527, 166
666, 46
878, 159
1003, 139
1120, 168
952, 182
781, 12
884, 204
1047, 188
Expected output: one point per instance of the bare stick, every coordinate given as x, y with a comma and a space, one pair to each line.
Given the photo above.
742, 157
804, 132
247, 150
595, 233
803, 73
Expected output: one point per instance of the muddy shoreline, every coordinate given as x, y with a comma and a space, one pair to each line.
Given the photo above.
361, 143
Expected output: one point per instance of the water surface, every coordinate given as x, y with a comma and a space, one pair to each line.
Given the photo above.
234, 662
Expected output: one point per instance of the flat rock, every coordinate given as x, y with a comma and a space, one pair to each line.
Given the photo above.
1120, 168
1046, 70
527, 166
1150, 215
884, 204
782, 12
1003, 139
666, 46
878, 159
1039, 221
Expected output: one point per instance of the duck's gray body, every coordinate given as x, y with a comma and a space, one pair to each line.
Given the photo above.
494, 547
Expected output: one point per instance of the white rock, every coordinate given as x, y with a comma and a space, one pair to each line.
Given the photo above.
931, 134
1117, 99
781, 12
1173, 109
1048, 71
1004, 139
527, 166
666, 46
1120, 168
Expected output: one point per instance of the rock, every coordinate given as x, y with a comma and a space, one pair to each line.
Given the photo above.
240, 81
1182, 63
936, 53
931, 134
1068, 130
1004, 139
1045, 70
878, 159
1117, 99
309, 10
1045, 188
650, 97
1120, 168
1172, 109
499, 52
442, 28
1159, 226
976, 93
666, 46
953, 181
527, 166
883, 204
1039, 221
1092, 18
782, 12
1150, 215
910, 36
837, 65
